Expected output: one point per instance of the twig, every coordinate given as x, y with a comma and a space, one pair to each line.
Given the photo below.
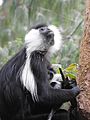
71, 34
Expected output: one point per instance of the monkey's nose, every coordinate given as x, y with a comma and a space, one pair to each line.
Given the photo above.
50, 34
50, 38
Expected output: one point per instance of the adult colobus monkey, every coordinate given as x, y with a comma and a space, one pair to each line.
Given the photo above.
24, 86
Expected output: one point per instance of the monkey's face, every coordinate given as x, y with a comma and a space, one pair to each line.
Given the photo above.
47, 35
41, 38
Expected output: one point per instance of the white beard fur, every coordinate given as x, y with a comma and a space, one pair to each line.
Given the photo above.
28, 80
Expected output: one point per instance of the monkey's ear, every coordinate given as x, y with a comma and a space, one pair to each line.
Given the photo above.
62, 75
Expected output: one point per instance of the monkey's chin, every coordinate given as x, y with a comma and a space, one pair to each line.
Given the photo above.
52, 42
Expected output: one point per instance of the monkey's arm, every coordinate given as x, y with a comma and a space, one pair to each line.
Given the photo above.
47, 94
56, 97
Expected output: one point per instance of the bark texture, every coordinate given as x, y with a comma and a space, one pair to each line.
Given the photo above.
83, 77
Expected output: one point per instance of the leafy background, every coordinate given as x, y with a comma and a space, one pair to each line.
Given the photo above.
16, 17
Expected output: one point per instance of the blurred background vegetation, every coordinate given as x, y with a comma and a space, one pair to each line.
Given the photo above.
16, 17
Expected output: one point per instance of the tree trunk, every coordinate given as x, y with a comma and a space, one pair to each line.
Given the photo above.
83, 77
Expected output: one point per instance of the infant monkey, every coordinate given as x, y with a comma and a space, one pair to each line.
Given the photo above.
59, 81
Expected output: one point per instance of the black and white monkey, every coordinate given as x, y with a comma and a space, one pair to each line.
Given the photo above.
24, 86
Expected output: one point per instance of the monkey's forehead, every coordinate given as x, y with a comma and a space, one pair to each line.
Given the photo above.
37, 26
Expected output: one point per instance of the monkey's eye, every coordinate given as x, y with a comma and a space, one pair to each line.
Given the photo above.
44, 30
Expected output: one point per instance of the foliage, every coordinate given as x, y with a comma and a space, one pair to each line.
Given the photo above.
70, 71
16, 17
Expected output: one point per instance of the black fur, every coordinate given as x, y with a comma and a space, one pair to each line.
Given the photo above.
39, 25
16, 102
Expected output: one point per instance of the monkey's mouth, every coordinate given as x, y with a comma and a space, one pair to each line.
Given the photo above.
50, 38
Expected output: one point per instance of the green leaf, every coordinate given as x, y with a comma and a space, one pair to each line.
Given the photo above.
71, 76
71, 67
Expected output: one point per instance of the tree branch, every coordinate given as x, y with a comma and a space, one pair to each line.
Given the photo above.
76, 28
